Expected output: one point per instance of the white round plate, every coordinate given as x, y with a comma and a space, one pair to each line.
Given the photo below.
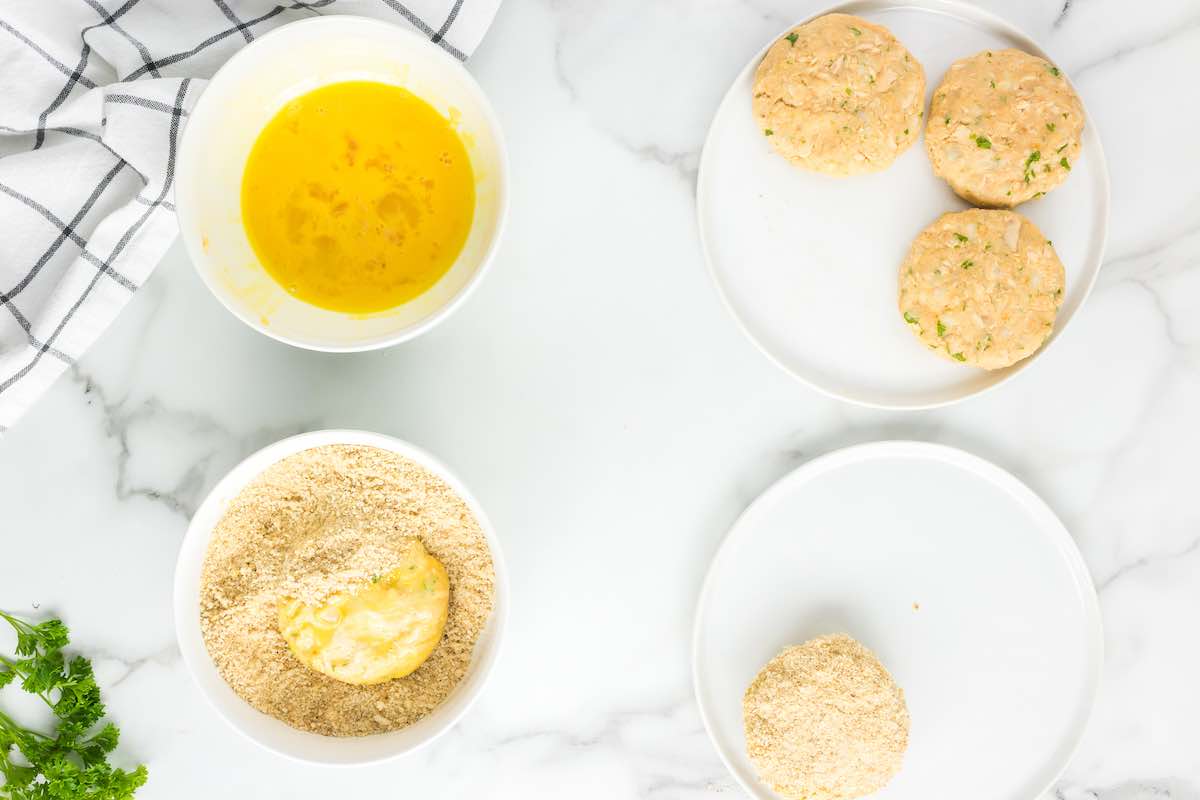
808, 264
953, 572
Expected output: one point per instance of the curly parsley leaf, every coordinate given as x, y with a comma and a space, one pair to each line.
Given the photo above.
72, 763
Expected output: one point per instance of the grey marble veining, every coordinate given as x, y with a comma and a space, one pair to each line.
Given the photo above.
600, 402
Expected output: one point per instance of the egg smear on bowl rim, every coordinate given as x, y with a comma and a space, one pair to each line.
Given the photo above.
342, 184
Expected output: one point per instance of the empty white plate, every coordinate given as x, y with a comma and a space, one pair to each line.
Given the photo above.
808, 264
959, 578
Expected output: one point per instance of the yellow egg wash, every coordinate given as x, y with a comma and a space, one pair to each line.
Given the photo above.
384, 630
358, 196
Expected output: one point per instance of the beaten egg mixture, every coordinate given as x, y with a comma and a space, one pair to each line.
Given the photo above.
358, 196
383, 631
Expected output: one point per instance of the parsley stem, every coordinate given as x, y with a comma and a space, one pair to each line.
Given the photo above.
18, 624
15, 668
7, 724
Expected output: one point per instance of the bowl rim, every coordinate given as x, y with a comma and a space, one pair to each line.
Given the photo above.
428, 50
194, 547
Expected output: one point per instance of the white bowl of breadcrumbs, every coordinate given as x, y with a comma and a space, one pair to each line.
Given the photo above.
324, 510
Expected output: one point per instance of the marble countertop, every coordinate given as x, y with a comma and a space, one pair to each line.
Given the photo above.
610, 416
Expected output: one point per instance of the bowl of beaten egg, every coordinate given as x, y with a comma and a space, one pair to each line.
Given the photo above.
341, 184
218, 641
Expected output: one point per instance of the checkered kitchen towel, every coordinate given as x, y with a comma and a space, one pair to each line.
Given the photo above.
93, 94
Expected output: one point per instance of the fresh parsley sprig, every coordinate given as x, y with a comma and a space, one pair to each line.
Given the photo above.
73, 763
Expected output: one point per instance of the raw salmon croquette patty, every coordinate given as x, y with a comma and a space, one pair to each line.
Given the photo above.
839, 95
981, 287
1004, 127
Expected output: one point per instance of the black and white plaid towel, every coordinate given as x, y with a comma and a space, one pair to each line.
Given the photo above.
93, 94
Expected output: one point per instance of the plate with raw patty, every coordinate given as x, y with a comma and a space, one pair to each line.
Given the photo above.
814, 184
898, 619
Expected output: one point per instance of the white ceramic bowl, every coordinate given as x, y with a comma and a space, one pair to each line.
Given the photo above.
243, 97
268, 731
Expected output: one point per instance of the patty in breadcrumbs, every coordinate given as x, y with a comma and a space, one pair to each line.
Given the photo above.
839, 95
981, 287
825, 721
